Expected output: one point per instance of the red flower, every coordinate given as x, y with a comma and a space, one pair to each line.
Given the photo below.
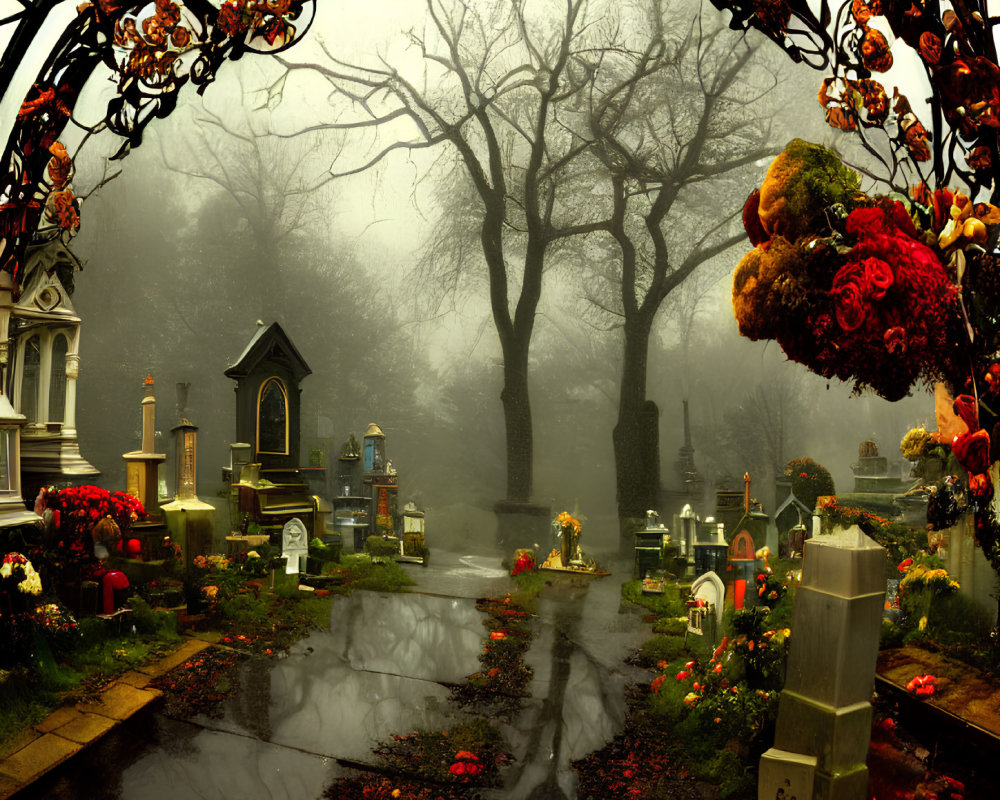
850, 304
657, 683
967, 409
973, 451
904, 564
682, 675
921, 685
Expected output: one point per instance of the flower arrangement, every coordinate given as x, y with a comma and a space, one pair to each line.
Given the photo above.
810, 480
77, 510
846, 283
54, 618
916, 444
889, 291
19, 569
525, 562
899, 540
925, 573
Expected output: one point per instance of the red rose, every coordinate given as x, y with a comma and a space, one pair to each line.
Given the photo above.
973, 451
850, 305
877, 276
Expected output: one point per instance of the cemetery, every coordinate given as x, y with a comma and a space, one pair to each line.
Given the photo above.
344, 555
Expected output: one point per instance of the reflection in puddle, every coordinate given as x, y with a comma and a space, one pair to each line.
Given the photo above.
384, 668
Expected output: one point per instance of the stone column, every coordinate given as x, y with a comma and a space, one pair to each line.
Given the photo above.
825, 714
44, 374
72, 373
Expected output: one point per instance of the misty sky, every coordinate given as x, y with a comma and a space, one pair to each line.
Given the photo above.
382, 217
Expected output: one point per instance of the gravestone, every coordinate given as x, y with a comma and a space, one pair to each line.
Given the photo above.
705, 618
294, 545
825, 714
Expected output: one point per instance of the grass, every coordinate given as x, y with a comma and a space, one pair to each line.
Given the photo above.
357, 571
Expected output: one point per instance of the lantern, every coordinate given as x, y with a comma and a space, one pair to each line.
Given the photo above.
374, 449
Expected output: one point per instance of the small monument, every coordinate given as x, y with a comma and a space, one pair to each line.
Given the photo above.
189, 520
711, 551
824, 714
45, 366
742, 568
142, 466
12, 510
414, 545
294, 546
650, 545
705, 609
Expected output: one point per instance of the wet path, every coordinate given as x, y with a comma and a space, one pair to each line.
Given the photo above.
384, 668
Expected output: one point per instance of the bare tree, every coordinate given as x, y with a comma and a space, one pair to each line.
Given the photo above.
501, 86
672, 130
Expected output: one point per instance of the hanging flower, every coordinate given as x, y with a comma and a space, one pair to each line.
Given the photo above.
19, 568
875, 52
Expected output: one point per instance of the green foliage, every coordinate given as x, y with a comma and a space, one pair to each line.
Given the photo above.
672, 626
659, 649
148, 621
900, 541
663, 605
20, 706
377, 547
529, 588
821, 180
358, 571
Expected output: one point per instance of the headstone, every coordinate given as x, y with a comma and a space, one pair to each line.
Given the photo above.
294, 545
705, 615
825, 712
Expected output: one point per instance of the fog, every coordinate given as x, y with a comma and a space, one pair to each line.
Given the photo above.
203, 234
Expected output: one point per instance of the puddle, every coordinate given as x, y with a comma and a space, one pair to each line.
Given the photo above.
382, 669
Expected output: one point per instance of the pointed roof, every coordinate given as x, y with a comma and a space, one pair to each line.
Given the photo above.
269, 343
48, 283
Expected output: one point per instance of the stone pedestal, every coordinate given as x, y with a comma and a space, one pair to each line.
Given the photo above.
191, 525
824, 715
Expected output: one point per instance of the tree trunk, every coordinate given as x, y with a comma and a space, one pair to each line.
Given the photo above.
517, 419
636, 433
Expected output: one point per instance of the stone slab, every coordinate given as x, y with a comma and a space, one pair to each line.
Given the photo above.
57, 719
175, 659
7, 786
120, 701
86, 728
139, 680
20, 739
37, 758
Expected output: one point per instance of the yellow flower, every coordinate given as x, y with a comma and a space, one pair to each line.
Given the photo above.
922, 624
